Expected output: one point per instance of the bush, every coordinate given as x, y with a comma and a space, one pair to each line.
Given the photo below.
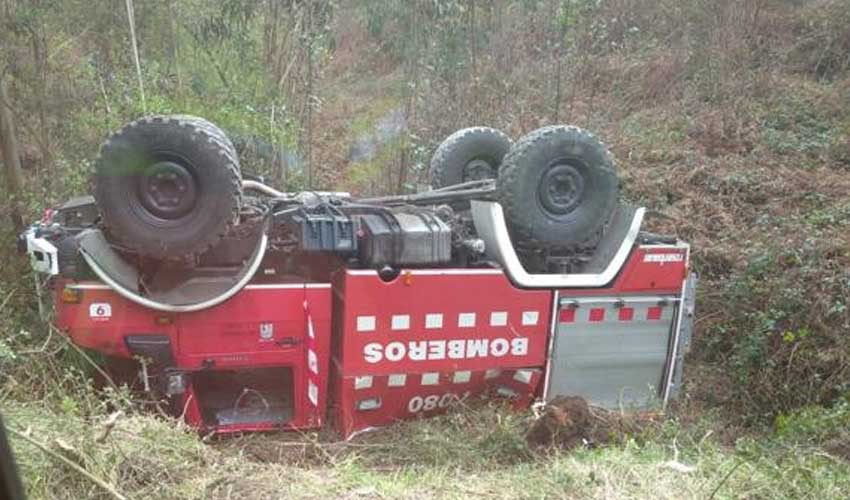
781, 334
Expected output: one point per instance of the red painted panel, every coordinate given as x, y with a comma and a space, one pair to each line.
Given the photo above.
438, 321
373, 401
102, 319
656, 269
262, 326
626, 313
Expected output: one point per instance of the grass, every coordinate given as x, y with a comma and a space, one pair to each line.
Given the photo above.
480, 452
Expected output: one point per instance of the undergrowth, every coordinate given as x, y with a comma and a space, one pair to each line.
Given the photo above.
479, 452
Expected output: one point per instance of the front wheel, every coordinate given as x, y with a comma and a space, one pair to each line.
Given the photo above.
168, 186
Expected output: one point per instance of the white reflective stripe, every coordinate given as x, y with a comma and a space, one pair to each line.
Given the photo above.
492, 373
369, 404
101, 286
286, 286
466, 320
530, 318
499, 318
397, 380
432, 378
400, 322
523, 376
429, 272
680, 245
506, 392
433, 320
365, 323
462, 377
87, 286
313, 393
310, 330
662, 258
313, 361
567, 301
453, 272
363, 382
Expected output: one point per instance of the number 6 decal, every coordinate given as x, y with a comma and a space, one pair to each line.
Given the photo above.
100, 311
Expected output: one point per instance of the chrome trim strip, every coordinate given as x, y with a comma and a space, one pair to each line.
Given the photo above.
158, 306
491, 227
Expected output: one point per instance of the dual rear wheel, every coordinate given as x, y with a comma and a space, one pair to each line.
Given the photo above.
557, 185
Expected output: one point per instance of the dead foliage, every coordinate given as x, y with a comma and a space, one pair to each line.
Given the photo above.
568, 422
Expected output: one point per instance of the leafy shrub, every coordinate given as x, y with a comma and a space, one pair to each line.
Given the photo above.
782, 336
796, 126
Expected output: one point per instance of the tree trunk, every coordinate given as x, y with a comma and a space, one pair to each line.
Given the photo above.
11, 158
134, 45
175, 46
308, 96
40, 52
473, 43
559, 55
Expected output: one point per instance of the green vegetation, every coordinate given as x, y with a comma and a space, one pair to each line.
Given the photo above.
729, 119
479, 452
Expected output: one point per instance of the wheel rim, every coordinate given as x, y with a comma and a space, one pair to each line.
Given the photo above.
478, 170
168, 190
561, 188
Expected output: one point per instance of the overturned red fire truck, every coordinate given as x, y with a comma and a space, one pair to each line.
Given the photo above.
520, 275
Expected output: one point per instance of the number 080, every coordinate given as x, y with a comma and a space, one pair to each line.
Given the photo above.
432, 402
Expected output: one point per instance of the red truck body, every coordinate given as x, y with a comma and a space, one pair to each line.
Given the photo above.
366, 352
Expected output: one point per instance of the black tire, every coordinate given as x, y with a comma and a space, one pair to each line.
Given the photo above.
558, 187
469, 154
213, 130
168, 186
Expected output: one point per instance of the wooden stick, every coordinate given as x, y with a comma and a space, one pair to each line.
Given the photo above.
92, 363
6, 300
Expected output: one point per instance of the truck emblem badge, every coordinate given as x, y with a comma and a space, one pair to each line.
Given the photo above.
266, 331
100, 311
661, 258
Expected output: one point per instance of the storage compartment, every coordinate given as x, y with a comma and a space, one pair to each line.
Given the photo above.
403, 239
613, 351
244, 397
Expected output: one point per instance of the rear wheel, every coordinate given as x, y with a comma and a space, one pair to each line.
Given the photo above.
168, 186
558, 188
469, 154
